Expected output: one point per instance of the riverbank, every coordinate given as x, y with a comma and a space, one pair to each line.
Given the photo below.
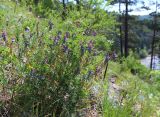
156, 62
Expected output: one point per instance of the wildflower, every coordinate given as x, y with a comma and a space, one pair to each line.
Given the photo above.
65, 48
90, 46
13, 40
107, 58
87, 32
27, 29
82, 50
50, 25
90, 72
55, 40
58, 37
67, 34
114, 55
4, 36
94, 33
65, 39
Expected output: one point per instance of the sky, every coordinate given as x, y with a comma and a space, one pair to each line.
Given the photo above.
136, 8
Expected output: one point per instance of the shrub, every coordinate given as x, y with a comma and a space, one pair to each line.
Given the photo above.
135, 67
143, 53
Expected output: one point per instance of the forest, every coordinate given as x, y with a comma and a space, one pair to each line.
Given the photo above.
79, 58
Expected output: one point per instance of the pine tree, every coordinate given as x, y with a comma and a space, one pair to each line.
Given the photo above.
126, 28
126, 20
154, 14
120, 29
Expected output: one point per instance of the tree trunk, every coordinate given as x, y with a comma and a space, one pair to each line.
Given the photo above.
152, 51
154, 37
121, 41
152, 48
126, 29
120, 30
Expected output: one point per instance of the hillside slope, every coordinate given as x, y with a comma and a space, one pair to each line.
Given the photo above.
51, 67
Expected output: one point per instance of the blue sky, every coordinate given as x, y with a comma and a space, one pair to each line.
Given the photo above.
136, 8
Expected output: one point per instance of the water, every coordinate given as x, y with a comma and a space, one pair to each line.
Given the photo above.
156, 62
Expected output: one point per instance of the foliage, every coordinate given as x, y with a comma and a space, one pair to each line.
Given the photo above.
132, 64
50, 66
137, 97
51, 60
143, 53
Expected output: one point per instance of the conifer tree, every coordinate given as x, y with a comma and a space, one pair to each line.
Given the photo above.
126, 20
155, 15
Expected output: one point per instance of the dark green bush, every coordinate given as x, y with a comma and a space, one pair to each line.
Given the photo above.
143, 53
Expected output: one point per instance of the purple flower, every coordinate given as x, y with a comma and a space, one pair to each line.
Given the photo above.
90, 46
50, 25
59, 33
114, 55
94, 33
67, 34
27, 29
13, 40
65, 48
65, 39
82, 50
4, 35
107, 58
90, 72
87, 32
58, 37
55, 40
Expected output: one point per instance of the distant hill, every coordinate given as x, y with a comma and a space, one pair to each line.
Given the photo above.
142, 17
